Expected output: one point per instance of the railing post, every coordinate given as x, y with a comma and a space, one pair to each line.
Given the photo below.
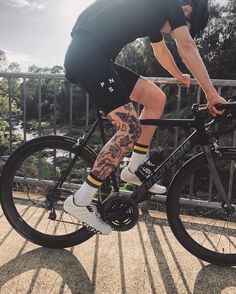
177, 114
40, 106
71, 109
24, 109
10, 91
199, 94
232, 168
87, 110
55, 108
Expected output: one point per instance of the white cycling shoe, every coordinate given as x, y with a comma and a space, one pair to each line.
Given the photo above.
88, 215
128, 177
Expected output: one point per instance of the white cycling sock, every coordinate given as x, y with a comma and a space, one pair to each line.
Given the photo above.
138, 157
84, 196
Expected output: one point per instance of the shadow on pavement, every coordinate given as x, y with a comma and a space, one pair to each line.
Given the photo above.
215, 279
61, 261
211, 279
165, 271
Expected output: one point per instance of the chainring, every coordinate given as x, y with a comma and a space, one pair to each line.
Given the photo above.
120, 212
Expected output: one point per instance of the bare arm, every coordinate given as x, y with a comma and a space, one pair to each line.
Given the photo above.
165, 58
191, 57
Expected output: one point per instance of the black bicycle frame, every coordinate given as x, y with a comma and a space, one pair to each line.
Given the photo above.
198, 138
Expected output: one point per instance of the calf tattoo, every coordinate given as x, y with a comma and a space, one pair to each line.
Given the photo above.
128, 131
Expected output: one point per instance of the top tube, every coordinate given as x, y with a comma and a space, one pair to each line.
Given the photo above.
197, 109
185, 123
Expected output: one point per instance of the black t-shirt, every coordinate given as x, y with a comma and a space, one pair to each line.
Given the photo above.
116, 23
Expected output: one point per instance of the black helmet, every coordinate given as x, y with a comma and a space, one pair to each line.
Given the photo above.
199, 16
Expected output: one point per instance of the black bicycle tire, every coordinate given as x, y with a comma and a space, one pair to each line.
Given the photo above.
7, 202
175, 221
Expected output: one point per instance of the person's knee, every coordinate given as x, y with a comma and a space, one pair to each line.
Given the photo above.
148, 94
155, 103
162, 98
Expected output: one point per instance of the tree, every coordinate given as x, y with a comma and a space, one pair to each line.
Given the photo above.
218, 44
3, 60
57, 69
14, 67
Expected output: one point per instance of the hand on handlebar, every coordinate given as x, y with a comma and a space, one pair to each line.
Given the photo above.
212, 102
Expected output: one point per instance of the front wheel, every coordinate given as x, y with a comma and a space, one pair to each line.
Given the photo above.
197, 213
29, 199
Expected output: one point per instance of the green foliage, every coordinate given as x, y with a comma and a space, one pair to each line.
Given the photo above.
218, 44
3, 121
128, 187
4, 110
14, 67
35, 168
3, 60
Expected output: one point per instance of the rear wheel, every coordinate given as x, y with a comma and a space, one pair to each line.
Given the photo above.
196, 212
29, 199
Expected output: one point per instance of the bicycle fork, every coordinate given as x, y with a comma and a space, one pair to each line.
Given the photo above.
215, 175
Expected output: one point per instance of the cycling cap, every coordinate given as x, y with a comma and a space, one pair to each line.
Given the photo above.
199, 16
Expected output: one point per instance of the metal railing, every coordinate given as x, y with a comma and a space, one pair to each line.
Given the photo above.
22, 78
219, 84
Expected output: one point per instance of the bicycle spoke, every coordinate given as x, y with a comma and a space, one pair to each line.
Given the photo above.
38, 179
201, 217
196, 231
220, 236
47, 226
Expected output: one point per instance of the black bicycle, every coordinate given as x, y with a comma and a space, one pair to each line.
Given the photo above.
201, 199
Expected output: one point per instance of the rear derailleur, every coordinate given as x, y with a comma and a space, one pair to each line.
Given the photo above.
53, 195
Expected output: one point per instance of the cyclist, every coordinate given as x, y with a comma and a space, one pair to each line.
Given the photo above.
98, 35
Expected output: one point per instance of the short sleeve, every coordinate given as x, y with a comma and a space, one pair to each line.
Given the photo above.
156, 37
175, 14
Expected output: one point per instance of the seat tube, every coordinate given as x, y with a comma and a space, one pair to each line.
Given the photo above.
215, 174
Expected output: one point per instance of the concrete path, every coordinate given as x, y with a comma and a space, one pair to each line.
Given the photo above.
146, 259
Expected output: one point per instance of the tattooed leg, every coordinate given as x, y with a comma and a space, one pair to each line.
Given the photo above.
128, 130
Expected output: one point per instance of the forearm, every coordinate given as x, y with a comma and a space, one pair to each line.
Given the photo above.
194, 63
166, 60
191, 57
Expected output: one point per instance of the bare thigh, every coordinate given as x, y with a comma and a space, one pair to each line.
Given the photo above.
149, 95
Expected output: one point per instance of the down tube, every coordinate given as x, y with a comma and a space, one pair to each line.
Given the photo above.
186, 146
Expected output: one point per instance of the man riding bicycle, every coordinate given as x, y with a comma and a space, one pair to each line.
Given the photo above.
99, 34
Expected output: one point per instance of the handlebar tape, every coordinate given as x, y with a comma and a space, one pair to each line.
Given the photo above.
227, 106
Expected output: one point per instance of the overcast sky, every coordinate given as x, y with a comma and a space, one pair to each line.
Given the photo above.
37, 31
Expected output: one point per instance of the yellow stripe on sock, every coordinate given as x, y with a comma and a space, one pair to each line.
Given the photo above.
95, 182
143, 149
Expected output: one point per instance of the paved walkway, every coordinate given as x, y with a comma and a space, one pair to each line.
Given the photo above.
147, 259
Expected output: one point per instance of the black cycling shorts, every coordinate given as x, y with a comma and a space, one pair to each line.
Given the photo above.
87, 64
